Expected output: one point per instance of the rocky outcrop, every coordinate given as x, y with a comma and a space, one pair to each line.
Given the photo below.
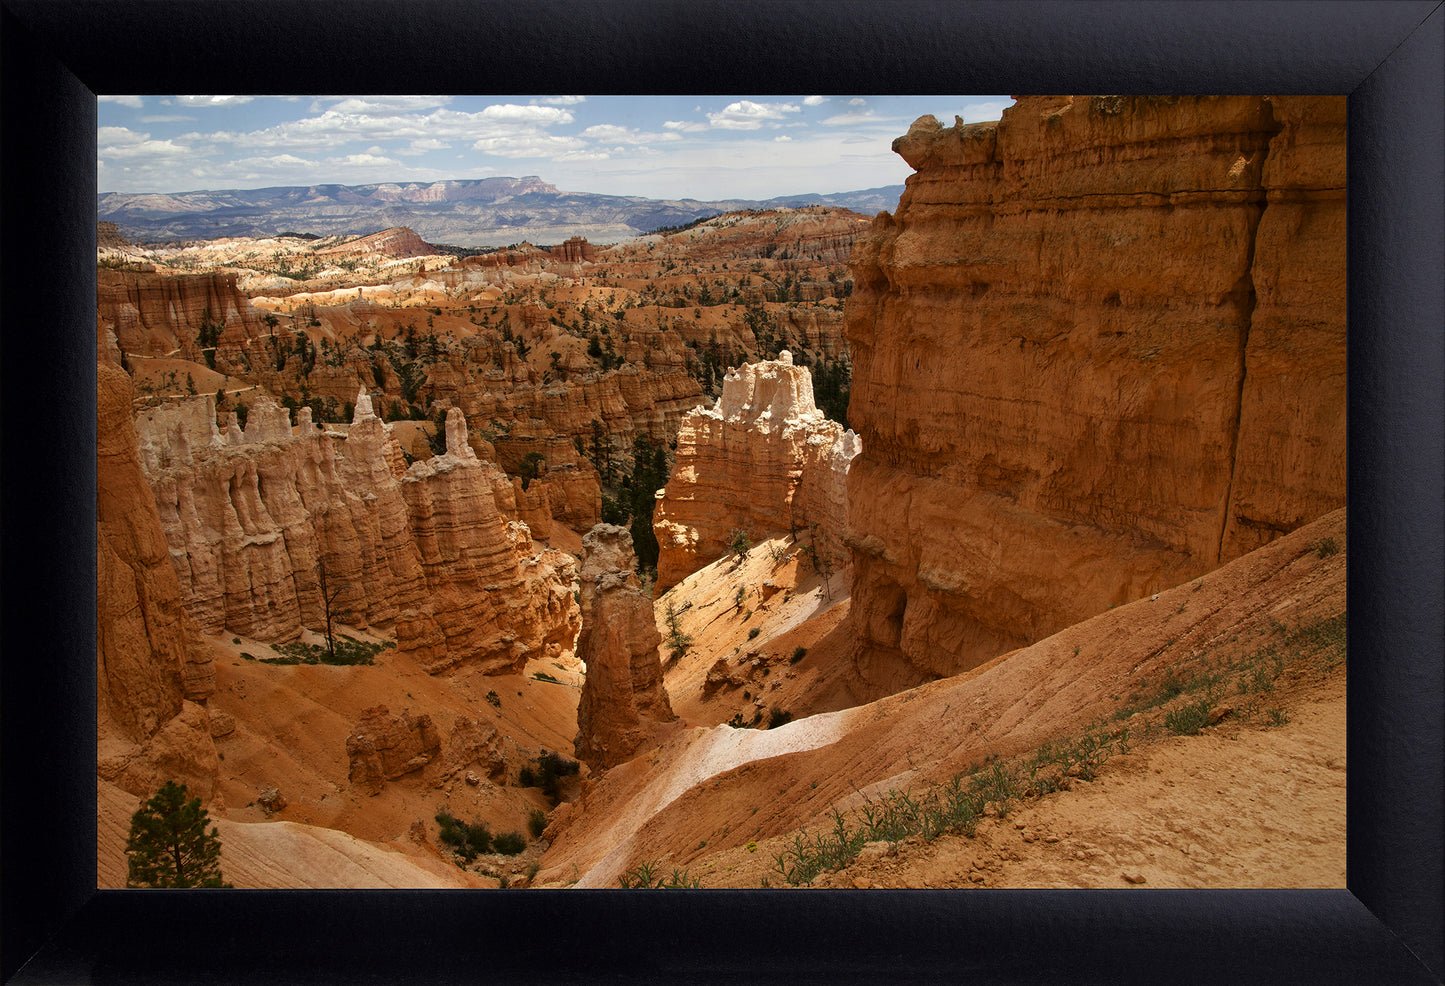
574, 250
251, 518
477, 742
384, 746
814, 234
153, 672
154, 314
399, 241
764, 460
623, 698
1099, 350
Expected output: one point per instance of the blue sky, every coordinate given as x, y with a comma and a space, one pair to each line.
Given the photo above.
703, 147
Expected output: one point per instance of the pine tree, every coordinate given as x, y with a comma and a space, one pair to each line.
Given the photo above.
168, 844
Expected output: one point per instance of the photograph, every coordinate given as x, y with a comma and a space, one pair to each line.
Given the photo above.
577, 450
731, 492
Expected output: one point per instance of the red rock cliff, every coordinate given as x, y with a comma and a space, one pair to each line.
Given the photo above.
153, 672
154, 314
1099, 350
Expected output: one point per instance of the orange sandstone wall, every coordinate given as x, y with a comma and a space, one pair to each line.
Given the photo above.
1099, 350
153, 673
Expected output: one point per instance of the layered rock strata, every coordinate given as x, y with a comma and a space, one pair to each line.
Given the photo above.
623, 698
1099, 350
155, 314
251, 518
763, 459
399, 241
153, 671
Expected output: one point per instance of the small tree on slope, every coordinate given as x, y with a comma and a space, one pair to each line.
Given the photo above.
168, 844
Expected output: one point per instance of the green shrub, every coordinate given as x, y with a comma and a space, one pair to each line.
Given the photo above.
777, 717
1189, 719
550, 768
646, 876
739, 541
466, 840
798, 654
537, 822
1325, 547
349, 651
753, 633
509, 843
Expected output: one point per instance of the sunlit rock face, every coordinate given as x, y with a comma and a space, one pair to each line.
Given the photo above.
251, 518
1099, 350
762, 459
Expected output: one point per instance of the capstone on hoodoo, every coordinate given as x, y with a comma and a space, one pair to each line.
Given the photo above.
762, 459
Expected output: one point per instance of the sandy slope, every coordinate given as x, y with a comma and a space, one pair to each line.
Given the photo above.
291, 729
700, 796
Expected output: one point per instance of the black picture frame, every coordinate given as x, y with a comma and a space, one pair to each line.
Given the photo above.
1386, 56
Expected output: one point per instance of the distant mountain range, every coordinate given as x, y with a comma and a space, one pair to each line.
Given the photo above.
484, 212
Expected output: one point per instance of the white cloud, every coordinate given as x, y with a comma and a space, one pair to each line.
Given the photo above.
134, 102
213, 100
367, 160
165, 118
561, 100
609, 132
748, 115
148, 149
530, 143
782, 138
423, 146
815, 100
385, 104
583, 156
512, 113
856, 119
118, 135
496, 125
684, 126
857, 101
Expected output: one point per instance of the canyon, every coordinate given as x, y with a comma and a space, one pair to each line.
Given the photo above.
676, 550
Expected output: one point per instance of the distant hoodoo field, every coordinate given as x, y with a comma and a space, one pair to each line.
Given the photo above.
996, 541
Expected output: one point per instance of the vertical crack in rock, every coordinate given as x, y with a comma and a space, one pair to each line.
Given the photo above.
1247, 299
623, 698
